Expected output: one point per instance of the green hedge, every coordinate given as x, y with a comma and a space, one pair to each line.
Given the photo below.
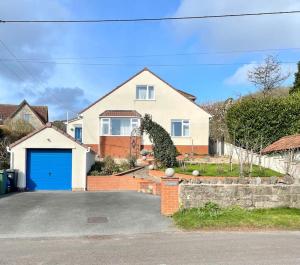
264, 119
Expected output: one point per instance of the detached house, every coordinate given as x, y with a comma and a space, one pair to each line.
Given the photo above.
37, 116
50, 159
107, 124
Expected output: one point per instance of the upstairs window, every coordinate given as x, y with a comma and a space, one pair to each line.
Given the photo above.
26, 117
180, 128
78, 133
144, 92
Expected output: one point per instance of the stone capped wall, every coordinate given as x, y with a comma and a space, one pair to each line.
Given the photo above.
244, 195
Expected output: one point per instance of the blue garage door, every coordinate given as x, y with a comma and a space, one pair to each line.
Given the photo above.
49, 169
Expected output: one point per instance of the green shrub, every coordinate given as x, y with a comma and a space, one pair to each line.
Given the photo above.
97, 166
263, 120
131, 161
124, 165
163, 147
105, 167
109, 166
94, 173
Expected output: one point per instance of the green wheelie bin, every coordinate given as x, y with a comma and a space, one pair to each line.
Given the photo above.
3, 182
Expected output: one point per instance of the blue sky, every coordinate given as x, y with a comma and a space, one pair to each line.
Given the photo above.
70, 87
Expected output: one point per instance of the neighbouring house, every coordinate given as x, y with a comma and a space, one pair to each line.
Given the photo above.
107, 125
287, 147
286, 154
50, 159
37, 116
284, 144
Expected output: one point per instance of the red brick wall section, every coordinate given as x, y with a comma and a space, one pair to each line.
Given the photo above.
111, 183
196, 149
183, 149
167, 189
119, 147
115, 183
169, 196
94, 147
116, 146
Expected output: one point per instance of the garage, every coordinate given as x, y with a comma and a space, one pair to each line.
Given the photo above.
50, 159
49, 169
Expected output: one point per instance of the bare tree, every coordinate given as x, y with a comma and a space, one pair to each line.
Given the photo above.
4, 155
268, 75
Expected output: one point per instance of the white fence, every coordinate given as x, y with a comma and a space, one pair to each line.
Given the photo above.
278, 163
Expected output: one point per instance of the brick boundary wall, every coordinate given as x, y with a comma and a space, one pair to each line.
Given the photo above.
111, 183
169, 202
167, 189
122, 183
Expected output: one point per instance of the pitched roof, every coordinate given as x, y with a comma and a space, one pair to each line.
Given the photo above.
8, 111
283, 144
48, 125
120, 113
186, 95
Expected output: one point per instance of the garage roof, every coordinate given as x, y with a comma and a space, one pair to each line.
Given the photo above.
48, 125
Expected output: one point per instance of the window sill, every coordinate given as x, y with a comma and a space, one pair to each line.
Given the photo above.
180, 137
145, 100
116, 135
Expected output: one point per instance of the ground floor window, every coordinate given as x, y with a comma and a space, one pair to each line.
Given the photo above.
118, 126
180, 128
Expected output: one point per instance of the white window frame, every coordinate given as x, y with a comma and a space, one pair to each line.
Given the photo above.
27, 115
107, 120
78, 126
137, 122
147, 92
183, 121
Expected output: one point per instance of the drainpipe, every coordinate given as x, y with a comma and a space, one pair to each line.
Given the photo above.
88, 150
11, 162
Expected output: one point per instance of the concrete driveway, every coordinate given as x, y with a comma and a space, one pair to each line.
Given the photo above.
55, 214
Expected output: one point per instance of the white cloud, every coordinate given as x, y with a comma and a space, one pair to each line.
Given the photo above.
240, 76
240, 33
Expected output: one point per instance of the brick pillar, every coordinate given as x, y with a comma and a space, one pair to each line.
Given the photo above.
169, 201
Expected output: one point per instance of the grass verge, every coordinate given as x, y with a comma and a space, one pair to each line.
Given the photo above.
224, 170
211, 216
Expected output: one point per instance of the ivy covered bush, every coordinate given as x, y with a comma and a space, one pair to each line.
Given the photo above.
164, 150
261, 121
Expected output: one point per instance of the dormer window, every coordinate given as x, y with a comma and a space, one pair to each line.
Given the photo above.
145, 92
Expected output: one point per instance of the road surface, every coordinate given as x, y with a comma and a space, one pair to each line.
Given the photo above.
234, 248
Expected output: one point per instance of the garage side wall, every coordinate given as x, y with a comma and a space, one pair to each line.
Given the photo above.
49, 138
